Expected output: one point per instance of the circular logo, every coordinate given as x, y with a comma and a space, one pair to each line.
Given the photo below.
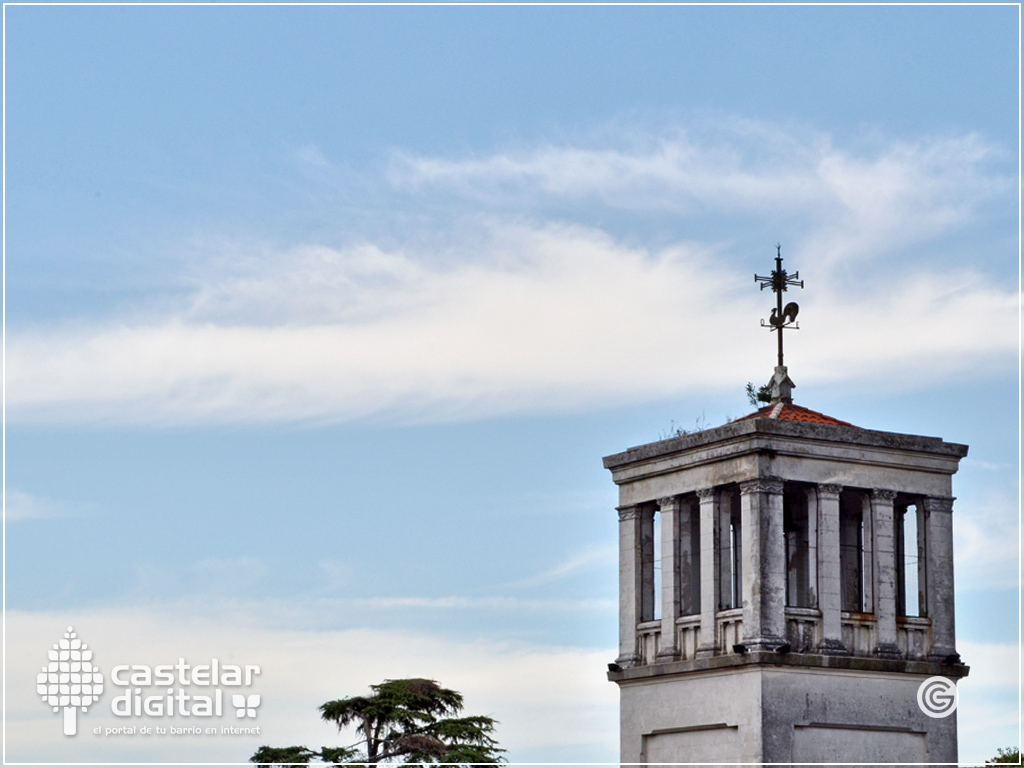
938, 697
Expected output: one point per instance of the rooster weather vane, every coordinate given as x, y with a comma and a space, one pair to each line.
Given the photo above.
781, 317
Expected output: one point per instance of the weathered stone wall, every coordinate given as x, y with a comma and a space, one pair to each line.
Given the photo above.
781, 714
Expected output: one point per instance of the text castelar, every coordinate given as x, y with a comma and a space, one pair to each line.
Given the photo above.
212, 675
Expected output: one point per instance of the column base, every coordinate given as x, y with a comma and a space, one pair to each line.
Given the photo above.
704, 651
831, 647
628, 660
762, 643
888, 651
666, 655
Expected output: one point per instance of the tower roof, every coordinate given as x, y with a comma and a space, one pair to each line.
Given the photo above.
789, 412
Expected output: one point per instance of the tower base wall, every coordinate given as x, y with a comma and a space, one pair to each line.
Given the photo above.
771, 713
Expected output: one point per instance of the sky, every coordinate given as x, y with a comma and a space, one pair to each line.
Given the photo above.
319, 321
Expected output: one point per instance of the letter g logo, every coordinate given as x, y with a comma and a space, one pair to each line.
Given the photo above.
938, 697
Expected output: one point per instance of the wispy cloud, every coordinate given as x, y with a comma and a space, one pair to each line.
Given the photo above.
533, 315
853, 202
210, 576
582, 561
494, 603
19, 506
987, 544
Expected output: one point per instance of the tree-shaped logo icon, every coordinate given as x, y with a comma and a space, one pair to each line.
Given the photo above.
246, 704
70, 680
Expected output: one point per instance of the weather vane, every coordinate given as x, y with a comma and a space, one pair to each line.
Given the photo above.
781, 317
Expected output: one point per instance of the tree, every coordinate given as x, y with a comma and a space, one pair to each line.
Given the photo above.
1005, 755
282, 755
408, 721
758, 395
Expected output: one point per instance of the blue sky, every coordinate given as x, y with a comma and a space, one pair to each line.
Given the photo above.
320, 319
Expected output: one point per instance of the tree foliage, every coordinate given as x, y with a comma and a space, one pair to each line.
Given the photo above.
758, 395
1005, 755
408, 721
282, 755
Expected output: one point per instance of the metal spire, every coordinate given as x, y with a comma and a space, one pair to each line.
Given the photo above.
781, 317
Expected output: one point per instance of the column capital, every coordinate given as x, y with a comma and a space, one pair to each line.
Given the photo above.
628, 512
829, 490
704, 494
761, 485
939, 503
667, 502
883, 494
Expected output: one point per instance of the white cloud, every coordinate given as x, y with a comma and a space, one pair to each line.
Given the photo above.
993, 665
545, 697
511, 317
560, 317
987, 543
923, 327
860, 203
19, 506
988, 713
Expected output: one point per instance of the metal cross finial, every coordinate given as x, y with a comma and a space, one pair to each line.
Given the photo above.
782, 317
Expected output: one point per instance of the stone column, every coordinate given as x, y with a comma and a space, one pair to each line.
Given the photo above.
939, 572
868, 544
829, 572
725, 553
922, 560
709, 586
646, 549
810, 510
689, 558
764, 564
885, 572
669, 508
629, 585
899, 535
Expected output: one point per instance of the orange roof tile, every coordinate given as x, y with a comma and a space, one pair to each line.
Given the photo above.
790, 412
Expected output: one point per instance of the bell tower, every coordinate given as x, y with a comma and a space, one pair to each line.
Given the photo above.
785, 588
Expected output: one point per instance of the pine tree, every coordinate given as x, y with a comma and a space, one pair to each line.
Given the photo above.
408, 721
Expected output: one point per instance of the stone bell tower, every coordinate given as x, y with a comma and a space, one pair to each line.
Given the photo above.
785, 587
